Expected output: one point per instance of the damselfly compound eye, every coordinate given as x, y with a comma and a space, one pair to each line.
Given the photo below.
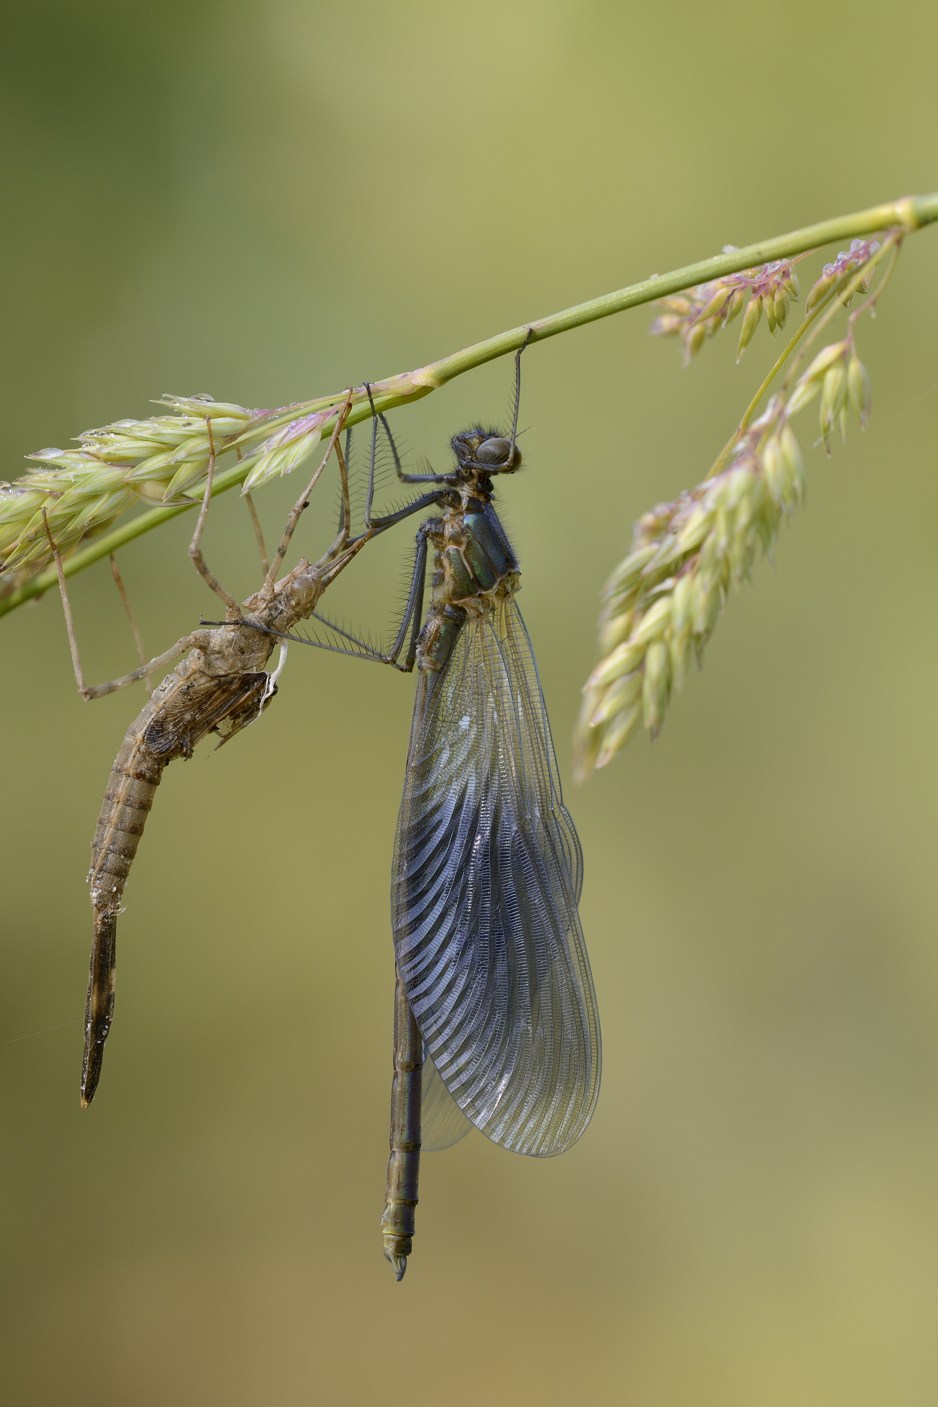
495, 451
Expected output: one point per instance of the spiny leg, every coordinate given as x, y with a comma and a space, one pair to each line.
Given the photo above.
344, 548
410, 623
517, 398
389, 518
339, 554
431, 478
302, 503
413, 609
97, 691
345, 502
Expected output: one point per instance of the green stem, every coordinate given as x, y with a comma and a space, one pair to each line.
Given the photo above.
909, 214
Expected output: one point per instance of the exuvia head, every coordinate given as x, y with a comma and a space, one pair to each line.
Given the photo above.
480, 451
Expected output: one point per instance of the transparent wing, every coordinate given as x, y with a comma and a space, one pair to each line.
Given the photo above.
443, 1122
487, 874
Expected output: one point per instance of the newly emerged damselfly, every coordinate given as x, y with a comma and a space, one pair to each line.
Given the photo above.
494, 994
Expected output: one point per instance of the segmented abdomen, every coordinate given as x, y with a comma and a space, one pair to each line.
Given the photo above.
188, 705
135, 775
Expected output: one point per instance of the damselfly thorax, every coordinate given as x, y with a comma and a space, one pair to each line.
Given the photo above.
474, 568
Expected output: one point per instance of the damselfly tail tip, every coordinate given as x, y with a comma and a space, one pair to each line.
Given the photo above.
400, 1265
395, 1258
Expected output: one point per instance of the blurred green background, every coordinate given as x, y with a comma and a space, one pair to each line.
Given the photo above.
266, 201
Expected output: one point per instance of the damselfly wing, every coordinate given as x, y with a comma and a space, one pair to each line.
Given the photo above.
488, 873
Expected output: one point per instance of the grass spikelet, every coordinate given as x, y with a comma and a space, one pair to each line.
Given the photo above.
83, 490
162, 460
286, 450
701, 312
662, 603
702, 547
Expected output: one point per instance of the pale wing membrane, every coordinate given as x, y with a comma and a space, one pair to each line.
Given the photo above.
443, 1122
487, 874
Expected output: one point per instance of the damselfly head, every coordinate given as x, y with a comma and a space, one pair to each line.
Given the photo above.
485, 451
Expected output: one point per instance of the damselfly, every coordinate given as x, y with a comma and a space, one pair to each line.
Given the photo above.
494, 990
